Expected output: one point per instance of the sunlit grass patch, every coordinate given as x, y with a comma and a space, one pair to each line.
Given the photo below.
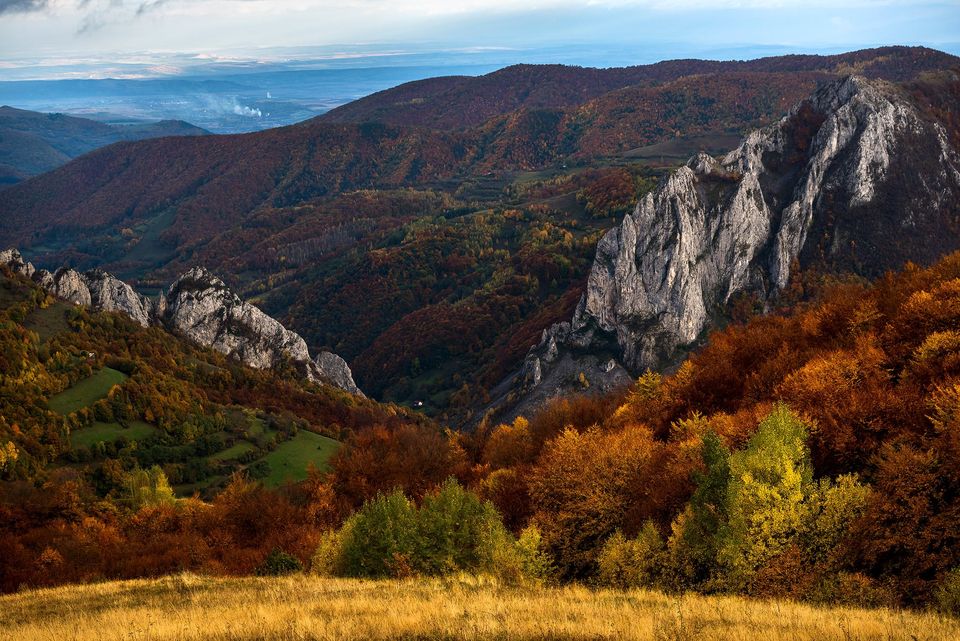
86, 392
188, 608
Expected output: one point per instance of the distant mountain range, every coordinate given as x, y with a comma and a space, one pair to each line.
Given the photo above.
32, 143
463, 102
430, 232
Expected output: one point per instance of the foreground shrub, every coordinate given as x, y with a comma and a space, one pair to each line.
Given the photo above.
380, 539
456, 531
694, 545
279, 563
947, 595
328, 559
768, 482
852, 589
534, 562
632, 563
452, 531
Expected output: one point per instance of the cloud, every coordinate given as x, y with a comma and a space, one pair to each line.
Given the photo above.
96, 14
22, 6
149, 5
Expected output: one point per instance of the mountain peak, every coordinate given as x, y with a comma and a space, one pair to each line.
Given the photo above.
854, 177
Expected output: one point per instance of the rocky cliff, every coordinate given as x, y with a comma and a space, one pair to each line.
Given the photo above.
854, 179
199, 307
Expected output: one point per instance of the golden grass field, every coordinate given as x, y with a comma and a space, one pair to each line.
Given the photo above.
188, 607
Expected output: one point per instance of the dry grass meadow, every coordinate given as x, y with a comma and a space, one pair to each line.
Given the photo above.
189, 607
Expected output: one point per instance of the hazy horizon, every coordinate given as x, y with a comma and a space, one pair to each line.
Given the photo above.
48, 39
245, 65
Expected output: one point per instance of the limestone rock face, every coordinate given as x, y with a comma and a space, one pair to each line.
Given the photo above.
113, 295
814, 188
70, 285
854, 179
95, 289
201, 307
197, 306
12, 259
334, 370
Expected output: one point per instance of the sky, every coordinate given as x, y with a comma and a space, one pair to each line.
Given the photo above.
55, 34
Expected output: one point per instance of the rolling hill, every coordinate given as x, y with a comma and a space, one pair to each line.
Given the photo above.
32, 143
104, 392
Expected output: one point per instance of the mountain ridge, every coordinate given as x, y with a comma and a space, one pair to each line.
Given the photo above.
453, 104
812, 190
32, 143
197, 306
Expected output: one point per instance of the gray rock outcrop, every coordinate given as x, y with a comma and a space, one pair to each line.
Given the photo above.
334, 369
12, 259
96, 288
200, 307
113, 295
853, 179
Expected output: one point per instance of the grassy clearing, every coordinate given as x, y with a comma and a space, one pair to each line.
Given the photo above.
257, 425
109, 432
233, 452
86, 392
678, 150
291, 458
188, 608
49, 321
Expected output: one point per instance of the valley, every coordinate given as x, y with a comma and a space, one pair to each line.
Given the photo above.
659, 351
291, 226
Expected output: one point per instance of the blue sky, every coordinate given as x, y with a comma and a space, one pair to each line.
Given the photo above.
156, 32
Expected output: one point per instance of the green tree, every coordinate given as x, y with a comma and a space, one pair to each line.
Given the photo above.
457, 531
632, 563
831, 508
381, 539
695, 547
279, 563
147, 488
765, 497
453, 531
534, 562
8, 455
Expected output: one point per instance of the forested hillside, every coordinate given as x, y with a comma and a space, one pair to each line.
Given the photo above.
32, 143
807, 454
98, 394
379, 222
462, 103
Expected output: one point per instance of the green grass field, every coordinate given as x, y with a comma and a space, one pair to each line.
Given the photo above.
86, 392
109, 432
234, 451
290, 460
257, 425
